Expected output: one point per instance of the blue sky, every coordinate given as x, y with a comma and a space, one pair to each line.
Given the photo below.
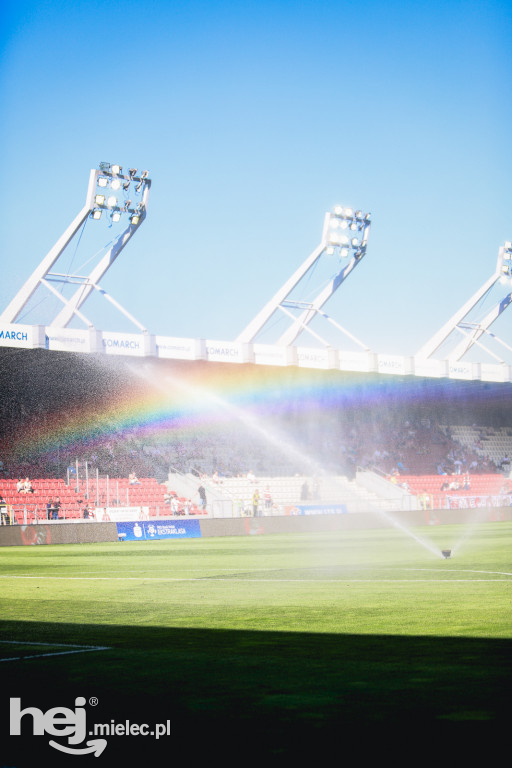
254, 119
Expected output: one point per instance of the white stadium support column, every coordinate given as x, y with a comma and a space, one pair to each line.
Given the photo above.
469, 333
345, 236
106, 185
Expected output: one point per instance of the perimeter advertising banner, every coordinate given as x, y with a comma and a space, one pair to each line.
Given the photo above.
145, 530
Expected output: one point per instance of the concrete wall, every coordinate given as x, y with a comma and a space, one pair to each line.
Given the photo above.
89, 532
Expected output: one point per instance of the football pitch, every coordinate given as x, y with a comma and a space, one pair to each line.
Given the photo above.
274, 646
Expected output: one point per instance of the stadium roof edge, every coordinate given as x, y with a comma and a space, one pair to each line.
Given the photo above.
93, 341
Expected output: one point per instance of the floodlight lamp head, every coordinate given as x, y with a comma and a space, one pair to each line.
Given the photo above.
116, 169
96, 214
105, 167
132, 172
337, 238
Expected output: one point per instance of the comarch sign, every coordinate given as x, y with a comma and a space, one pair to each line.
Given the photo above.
24, 336
123, 344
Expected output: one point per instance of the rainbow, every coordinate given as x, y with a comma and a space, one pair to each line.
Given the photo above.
174, 400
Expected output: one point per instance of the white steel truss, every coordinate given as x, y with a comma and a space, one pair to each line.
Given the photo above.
471, 332
102, 198
345, 235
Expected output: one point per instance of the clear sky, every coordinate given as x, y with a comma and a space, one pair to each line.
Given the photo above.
254, 119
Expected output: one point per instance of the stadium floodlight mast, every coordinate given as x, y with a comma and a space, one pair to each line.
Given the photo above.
344, 236
472, 331
108, 195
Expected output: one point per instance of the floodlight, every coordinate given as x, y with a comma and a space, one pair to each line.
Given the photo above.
132, 172
139, 186
127, 204
116, 215
135, 218
96, 214
144, 174
336, 238
111, 201
116, 169
99, 199
105, 167
337, 241
126, 186
102, 181
116, 184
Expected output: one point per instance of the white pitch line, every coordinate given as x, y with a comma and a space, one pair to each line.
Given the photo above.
460, 570
204, 579
76, 649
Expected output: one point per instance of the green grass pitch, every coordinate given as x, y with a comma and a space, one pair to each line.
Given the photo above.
275, 647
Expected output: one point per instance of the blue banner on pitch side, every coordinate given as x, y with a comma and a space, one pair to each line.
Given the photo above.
145, 530
321, 509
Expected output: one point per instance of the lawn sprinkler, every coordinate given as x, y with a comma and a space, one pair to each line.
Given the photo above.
446, 553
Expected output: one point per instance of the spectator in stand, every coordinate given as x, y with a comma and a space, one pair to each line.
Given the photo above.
49, 509
175, 507
133, 479
27, 486
4, 515
255, 503
202, 496
424, 500
85, 512
20, 486
251, 476
56, 509
267, 498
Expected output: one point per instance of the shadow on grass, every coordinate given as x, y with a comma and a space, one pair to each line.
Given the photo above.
241, 694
